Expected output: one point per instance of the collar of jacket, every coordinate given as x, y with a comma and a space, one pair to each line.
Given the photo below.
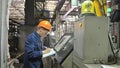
37, 34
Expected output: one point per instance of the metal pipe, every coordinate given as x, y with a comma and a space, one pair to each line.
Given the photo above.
71, 9
3, 33
97, 8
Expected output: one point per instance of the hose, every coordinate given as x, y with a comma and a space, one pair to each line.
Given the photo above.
114, 54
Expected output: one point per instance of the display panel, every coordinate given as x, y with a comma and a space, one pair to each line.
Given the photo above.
64, 47
62, 42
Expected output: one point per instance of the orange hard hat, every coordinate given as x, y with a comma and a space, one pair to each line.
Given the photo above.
45, 24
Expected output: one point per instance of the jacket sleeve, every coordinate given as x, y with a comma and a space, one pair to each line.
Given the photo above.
29, 49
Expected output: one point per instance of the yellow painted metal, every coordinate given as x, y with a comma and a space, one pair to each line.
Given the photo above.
105, 9
98, 9
87, 7
105, 6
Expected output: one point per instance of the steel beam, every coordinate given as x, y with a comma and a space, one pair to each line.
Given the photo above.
71, 13
57, 9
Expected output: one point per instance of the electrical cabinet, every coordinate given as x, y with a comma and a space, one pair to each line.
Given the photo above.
91, 44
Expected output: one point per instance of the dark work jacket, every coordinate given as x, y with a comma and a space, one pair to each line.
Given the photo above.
33, 51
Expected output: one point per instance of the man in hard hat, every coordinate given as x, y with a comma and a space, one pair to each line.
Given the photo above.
34, 47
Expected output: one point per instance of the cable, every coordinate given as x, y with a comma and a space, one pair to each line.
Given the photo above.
114, 54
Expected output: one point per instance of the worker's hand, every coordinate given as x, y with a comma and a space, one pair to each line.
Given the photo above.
44, 47
47, 50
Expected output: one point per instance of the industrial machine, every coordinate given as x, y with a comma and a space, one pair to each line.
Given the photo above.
92, 45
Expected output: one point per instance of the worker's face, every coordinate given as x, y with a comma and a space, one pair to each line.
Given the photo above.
43, 32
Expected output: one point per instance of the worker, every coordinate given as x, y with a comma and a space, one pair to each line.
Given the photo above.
34, 48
